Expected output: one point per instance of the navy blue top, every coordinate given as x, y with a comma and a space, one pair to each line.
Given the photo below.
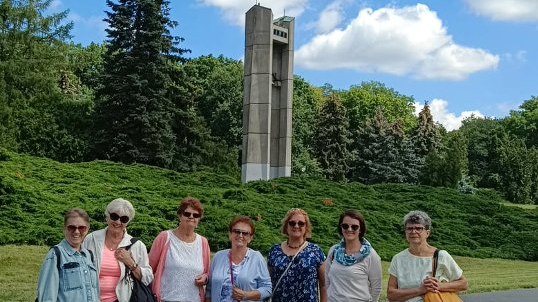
300, 283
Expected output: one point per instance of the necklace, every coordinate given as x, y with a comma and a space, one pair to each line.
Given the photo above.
293, 247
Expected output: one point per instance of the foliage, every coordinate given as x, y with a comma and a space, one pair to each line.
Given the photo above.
516, 164
382, 153
426, 135
524, 122
364, 100
332, 139
37, 191
133, 116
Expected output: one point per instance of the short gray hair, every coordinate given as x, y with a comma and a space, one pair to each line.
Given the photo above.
418, 217
120, 205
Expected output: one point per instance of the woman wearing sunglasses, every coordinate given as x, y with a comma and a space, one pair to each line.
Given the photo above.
116, 256
353, 268
68, 272
180, 257
239, 273
411, 270
296, 265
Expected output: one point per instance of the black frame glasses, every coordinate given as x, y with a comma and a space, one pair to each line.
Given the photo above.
191, 214
80, 228
115, 217
417, 229
346, 226
293, 223
239, 232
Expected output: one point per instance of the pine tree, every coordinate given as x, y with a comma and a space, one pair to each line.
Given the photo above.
332, 139
426, 134
134, 112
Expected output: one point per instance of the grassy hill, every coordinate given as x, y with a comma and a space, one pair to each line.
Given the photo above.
35, 192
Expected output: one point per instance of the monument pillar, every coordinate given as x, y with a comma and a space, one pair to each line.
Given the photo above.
268, 92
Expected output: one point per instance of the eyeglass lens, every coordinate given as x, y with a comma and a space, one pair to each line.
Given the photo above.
191, 214
346, 226
240, 232
80, 228
293, 223
123, 219
416, 229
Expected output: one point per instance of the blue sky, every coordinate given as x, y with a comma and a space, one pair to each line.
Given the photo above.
462, 56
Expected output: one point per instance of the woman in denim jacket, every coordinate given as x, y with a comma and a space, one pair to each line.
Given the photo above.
74, 277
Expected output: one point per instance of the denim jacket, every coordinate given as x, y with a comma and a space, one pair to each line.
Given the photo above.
75, 280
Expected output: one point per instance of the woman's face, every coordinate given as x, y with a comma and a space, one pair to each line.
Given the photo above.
350, 228
416, 233
117, 221
75, 229
189, 218
296, 226
241, 235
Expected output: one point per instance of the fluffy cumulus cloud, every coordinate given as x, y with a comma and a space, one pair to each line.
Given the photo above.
440, 114
330, 17
506, 10
234, 10
401, 41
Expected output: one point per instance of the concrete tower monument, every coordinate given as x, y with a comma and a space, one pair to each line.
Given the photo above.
268, 91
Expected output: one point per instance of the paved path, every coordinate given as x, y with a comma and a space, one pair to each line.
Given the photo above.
518, 295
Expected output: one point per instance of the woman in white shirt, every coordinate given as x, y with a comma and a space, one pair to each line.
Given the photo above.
180, 257
411, 270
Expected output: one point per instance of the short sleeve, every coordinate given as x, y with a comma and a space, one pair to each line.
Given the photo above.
448, 268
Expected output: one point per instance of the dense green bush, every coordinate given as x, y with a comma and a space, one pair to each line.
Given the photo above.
35, 192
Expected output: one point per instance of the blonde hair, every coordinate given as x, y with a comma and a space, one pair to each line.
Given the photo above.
289, 214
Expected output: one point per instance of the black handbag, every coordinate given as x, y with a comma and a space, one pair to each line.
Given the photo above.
140, 291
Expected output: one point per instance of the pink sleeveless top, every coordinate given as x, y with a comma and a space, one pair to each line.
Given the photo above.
109, 276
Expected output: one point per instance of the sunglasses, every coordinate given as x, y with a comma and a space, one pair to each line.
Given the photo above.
80, 228
293, 223
191, 214
346, 226
115, 217
239, 232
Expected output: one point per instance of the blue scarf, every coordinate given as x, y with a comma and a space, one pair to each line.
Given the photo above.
340, 256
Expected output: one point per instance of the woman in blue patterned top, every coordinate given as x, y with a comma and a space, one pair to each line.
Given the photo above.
296, 265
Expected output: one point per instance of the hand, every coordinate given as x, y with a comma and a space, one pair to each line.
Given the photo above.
124, 256
431, 284
239, 294
201, 280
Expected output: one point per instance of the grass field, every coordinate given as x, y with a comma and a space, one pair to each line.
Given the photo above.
19, 266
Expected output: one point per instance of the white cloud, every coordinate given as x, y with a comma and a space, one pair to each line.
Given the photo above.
519, 56
440, 114
234, 10
400, 41
330, 17
506, 10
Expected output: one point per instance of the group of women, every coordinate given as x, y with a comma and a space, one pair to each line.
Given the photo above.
101, 265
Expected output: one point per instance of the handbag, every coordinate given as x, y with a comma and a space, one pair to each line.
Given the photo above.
140, 292
291, 262
440, 296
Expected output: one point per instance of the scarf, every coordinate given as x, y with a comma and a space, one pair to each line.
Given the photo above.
340, 256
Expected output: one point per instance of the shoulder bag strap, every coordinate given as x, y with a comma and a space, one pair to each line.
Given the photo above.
434, 262
291, 262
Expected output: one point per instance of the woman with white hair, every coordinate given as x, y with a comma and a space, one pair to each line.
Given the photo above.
116, 253
411, 275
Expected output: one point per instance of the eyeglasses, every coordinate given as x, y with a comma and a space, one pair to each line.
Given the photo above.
239, 232
293, 223
191, 214
418, 229
115, 217
346, 226
80, 228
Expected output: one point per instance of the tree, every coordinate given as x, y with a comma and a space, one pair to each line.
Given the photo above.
332, 139
363, 101
382, 153
426, 135
133, 116
516, 170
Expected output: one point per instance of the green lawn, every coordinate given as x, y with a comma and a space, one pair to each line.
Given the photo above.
20, 266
